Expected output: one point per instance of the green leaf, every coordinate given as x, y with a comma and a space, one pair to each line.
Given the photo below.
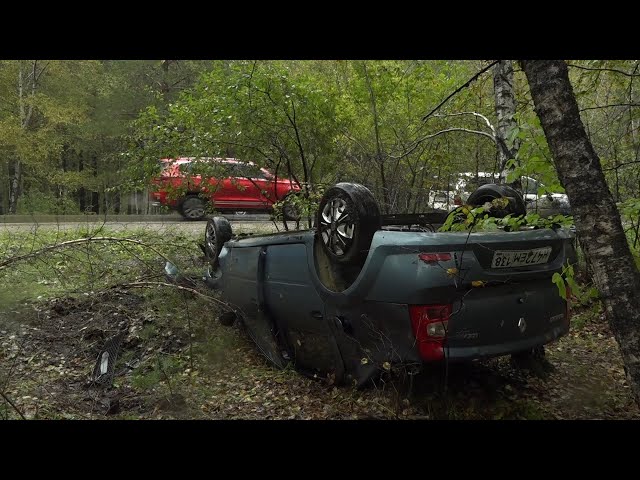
559, 281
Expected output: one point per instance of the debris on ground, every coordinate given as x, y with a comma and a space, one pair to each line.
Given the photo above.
172, 360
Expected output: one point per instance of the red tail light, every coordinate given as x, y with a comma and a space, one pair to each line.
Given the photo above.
430, 324
434, 257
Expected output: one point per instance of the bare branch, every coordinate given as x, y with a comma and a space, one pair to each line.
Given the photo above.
8, 400
68, 243
454, 129
621, 165
460, 88
149, 284
597, 107
486, 120
614, 70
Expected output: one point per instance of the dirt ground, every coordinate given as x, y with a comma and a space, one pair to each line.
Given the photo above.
176, 361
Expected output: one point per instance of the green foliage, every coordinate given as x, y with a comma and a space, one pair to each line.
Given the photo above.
45, 203
481, 218
630, 212
305, 203
317, 122
99, 127
582, 294
533, 158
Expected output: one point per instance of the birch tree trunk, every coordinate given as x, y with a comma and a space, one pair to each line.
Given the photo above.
15, 166
505, 111
597, 219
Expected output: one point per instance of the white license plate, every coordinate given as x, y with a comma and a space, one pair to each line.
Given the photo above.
520, 258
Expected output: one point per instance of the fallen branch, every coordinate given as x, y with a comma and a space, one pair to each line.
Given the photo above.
149, 284
8, 400
68, 243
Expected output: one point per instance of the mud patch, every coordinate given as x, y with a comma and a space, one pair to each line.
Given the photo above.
53, 354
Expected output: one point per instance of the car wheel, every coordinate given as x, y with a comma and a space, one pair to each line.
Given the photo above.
216, 234
290, 210
348, 217
490, 191
193, 208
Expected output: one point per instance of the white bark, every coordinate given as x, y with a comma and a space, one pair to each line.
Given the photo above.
505, 111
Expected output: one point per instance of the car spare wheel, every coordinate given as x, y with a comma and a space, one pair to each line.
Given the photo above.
348, 217
217, 233
193, 208
490, 191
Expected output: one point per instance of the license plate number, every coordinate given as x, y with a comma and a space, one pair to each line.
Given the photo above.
520, 258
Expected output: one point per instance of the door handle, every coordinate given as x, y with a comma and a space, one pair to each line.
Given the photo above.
317, 314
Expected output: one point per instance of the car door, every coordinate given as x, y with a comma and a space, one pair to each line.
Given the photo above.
243, 187
295, 305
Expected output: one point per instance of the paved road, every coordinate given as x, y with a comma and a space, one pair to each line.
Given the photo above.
164, 218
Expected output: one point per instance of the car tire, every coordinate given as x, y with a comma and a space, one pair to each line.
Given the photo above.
193, 208
490, 191
348, 217
290, 211
216, 234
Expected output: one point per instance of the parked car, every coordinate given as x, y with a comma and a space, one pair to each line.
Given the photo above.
363, 292
545, 204
241, 187
443, 200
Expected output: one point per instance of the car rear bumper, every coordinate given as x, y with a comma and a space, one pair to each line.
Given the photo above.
487, 351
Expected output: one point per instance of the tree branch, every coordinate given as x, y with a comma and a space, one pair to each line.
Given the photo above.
454, 129
8, 400
68, 243
486, 120
460, 88
149, 284
614, 70
597, 107
620, 165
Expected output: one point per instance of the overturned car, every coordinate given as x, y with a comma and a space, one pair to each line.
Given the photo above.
362, 292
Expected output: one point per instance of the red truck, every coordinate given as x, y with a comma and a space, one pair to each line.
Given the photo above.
237, 186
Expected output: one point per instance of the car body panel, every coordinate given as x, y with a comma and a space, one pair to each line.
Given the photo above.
326, 330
